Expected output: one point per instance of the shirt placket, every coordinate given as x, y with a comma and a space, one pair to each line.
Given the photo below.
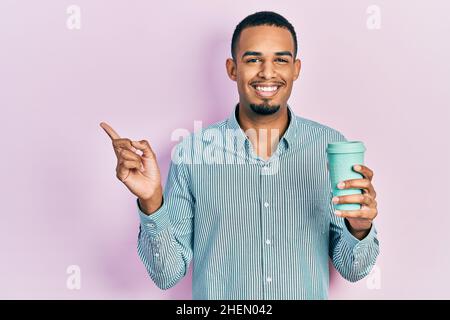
266, 209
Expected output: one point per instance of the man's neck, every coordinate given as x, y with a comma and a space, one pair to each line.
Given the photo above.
263, 131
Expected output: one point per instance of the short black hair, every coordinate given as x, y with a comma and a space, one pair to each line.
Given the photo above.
262, 18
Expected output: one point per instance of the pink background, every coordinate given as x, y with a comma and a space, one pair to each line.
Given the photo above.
151, 69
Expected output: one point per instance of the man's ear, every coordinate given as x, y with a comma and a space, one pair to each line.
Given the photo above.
297, 68
231, 69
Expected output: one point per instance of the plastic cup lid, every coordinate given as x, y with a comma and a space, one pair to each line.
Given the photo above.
346, 147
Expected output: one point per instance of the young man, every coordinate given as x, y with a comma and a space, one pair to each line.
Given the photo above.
257, 221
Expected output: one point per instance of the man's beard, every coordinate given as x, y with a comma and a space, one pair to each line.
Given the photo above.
264, 109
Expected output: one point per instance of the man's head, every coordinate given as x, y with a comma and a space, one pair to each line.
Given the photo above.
264, 64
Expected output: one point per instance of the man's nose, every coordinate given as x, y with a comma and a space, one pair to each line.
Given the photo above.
267, 70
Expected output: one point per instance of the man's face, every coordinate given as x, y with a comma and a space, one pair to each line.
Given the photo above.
264, 68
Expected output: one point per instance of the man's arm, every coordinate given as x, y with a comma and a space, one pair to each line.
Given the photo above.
354, 258
356, 233
353, 243
165, 238
150, 206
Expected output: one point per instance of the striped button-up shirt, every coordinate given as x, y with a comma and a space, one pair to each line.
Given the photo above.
253, 228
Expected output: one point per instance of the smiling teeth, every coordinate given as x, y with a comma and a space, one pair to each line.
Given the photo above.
266, 88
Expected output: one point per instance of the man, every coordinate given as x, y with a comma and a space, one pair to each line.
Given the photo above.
257, 221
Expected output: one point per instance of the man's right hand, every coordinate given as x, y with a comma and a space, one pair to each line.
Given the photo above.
139, 173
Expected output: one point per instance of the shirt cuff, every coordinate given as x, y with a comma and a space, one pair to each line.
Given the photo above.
156, 222
357, 244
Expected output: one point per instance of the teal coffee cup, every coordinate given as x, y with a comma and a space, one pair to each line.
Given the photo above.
342, 156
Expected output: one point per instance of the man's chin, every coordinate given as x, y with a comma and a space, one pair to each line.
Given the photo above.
264, 108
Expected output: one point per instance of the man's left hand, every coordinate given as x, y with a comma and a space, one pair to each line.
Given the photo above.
359, 221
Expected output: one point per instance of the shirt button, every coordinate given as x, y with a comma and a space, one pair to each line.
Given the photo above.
356, 263
267, 241
269, 279
266, 204
151, 225
157, 254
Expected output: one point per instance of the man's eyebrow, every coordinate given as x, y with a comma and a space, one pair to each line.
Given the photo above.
256, 53
251, 53
283, 53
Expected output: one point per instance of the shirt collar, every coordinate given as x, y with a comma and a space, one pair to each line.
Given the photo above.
289, 136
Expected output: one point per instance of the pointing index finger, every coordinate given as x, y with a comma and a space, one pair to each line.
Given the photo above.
109, 130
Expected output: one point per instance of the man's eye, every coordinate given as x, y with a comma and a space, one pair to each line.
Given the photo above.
256, 59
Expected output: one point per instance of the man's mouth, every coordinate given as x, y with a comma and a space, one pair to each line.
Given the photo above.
266, 91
